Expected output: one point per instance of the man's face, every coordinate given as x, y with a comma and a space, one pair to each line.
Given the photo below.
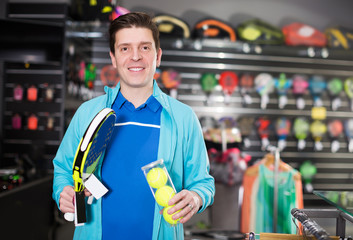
136, 57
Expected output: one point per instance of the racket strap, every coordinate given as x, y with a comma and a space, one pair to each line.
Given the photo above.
80, 208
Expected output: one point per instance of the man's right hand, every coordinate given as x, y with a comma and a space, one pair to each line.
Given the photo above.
66, 200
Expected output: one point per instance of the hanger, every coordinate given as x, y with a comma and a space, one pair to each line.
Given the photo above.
269, 162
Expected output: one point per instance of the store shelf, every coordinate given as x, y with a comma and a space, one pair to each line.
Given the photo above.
32, 55
194, 57
37, 42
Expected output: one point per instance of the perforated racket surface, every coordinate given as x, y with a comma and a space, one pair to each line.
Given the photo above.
88, 155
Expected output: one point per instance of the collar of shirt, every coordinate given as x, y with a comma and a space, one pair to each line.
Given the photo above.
151, 103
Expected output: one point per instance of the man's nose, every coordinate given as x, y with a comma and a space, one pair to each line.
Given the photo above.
136, 55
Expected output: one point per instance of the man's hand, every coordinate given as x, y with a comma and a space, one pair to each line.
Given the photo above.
66, 201
188, 202
67, 198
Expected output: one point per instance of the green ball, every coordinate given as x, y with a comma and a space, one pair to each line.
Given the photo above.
156, 177
163, 195
168, 217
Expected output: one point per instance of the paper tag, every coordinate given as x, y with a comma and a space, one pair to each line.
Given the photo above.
95, 187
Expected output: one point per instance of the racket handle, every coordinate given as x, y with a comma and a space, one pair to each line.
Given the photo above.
69, 216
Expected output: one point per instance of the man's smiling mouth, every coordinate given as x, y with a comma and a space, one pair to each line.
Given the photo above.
136, 69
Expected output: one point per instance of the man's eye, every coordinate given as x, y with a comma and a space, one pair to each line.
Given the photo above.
124, 49
145, 47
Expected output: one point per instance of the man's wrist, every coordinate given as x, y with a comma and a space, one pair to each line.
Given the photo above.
197, 200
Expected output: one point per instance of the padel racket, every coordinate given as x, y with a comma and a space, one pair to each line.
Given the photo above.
300, 86
317, 85
334, 88
348, 88
88, 155
264, 84
247, 84
229, 82
208, 82
109, 76
283, 126
282, 84
171, 79
301, 128
335, 130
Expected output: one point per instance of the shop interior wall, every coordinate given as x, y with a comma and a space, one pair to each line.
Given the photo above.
318, 13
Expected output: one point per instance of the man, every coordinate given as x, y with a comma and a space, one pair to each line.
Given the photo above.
150, 125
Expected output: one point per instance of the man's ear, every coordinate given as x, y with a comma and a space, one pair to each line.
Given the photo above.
159, 57
112, 58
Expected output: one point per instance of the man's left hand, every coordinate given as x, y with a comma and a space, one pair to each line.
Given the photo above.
189, 202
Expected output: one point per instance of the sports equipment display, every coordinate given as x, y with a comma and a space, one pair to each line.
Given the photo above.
348, 130
246, 85
32, 122
339, 37
109, 76
16, 121
171, 26
18, 93
168, 217
260, 32
264, 85
300, 85
32, 93
163, 195
229, 82
283, 127
317, 85
171, 80
299, 34
88, 155
348, 88
318, 129
214, 28
156, 177
335, 130
208, 83
246, 125
308, 170
301, 128
263, 129
282, 84
118, 11
334, 88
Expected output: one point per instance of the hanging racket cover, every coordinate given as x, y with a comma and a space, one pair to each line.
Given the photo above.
339, 37
300, 34
170, 26
214, 28
260, 32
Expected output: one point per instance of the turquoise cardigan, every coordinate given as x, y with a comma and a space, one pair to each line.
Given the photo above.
181, 145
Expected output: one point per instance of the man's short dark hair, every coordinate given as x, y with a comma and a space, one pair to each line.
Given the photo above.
129, 20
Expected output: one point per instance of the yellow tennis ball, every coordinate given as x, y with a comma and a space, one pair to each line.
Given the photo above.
168, 217
156, 177
163, 195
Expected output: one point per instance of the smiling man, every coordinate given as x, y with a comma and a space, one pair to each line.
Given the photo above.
150, 125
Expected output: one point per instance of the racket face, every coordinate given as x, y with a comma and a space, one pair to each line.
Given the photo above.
97, 145
228, 81
109, 76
